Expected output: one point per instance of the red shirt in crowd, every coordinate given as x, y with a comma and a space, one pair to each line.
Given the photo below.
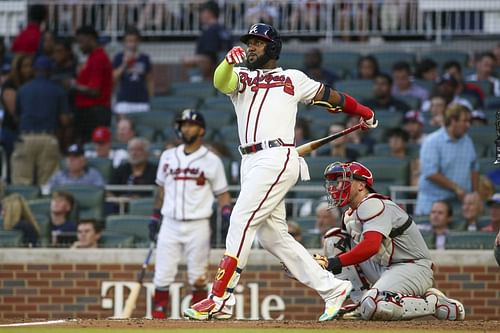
28, 40
97, 73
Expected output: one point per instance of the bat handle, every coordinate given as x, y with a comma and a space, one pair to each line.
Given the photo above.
146, 262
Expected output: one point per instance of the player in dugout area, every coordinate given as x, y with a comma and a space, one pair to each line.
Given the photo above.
381, 251
265, 98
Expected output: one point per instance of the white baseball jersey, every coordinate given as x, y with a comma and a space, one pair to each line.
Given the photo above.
266, 102
190, 182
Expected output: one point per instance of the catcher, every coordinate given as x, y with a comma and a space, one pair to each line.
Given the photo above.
380, 246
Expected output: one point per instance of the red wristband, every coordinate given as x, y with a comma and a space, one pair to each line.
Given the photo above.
352, 107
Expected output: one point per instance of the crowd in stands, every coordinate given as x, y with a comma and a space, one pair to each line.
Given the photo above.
101, 114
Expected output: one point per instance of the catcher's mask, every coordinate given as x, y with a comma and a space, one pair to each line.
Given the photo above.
339, 177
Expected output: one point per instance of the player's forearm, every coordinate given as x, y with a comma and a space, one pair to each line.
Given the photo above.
475, 181
443, 181
225, 80
158, 199
224, 199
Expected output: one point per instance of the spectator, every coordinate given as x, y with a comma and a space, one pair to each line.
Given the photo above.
101, 138
496, 53
302, 131
22, 72
485, 67
338, 147
413, 124
93, 86
62, 227
313, 67
447, 86
440, 219
295, 231
28, 40
5, 62
403, 86
478, 118
472, 208
398, 140
438, 105
467, 90
358, 137
214, 38
133, 76
449, 167
76, 172
125, 130
383, 98
42, 108
261, 11
326, 218
17, 215
47, 45
427, 70
88, 233
494, 205
367, 68
138, 170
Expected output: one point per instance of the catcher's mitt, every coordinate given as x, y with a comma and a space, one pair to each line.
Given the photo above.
321, 260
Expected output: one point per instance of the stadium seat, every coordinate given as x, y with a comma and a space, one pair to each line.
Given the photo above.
147, 132
442, 56
429, 239
387, 59
492, 103
40, 206
388, 119
483, 221
215, 118
89, 199
141, 206
387, 171
192, 89
27, 191
103, 165
11, 238
412, 101
486, 165
291, 60
131, 225
428, 85
342, 63
470, 240
173, 103
229, 133
359, 89
361, 148
317, 167
306, 223
217, 103
482, 135
113, 240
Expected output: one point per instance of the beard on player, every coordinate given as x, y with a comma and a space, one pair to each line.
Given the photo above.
254, 61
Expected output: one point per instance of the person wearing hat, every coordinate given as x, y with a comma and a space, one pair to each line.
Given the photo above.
494, 205
413, 124
42, 109
76, 172
101, 138
447, 86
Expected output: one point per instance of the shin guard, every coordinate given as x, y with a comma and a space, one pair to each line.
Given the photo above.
227, 268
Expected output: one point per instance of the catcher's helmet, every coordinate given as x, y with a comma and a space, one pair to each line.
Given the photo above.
267, 33
339, 177
189, 115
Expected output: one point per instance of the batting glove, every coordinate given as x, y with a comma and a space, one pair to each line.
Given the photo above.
370, 122
236, 56
154, 225
225, 213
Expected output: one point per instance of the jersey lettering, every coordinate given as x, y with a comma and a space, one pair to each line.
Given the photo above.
266, 82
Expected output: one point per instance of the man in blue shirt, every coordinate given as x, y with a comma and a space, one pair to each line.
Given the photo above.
449, 167
133, 76
42, 109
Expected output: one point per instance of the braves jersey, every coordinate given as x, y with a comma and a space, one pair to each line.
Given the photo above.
266, 102
408, 246
190, 182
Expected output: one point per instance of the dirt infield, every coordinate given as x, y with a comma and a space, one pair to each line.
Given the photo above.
428, 325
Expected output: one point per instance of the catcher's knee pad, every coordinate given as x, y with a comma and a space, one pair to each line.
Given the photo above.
385, 305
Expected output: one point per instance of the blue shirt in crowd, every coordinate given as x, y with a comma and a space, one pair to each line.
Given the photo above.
39, 103
132, 86
90, 177
455, 159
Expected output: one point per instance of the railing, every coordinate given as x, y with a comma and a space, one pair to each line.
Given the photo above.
293, 18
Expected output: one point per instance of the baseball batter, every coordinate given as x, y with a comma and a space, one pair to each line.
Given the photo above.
265, 99
387, 246
189, 176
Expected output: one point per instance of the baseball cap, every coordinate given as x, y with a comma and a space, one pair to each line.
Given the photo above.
42, 63
101, 134
447, 78
75, 150
479, 115
494, 200
414, 116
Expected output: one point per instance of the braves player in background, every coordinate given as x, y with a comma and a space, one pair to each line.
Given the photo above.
381, 239
265, 99
189, 176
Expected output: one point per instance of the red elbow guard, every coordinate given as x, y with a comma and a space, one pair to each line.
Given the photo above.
352, 107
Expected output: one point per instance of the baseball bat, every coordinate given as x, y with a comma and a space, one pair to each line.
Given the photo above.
131, 302
306, 148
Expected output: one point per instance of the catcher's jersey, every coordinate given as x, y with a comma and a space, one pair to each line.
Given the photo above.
190, 182
266, 102
410, 245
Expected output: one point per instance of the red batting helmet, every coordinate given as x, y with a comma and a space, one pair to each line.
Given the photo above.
339, 177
